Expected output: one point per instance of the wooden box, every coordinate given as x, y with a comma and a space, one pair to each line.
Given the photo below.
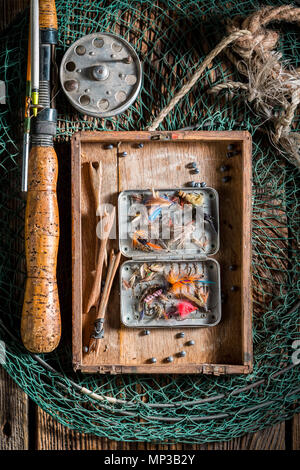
161, 161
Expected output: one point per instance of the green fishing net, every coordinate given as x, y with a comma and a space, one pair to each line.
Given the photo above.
171, 38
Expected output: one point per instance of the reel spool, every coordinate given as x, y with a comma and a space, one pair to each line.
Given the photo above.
101, 75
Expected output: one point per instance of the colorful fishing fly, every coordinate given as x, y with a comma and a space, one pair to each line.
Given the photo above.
168, 221
181, 284
139, 241
175, 294
192, 198
184, 308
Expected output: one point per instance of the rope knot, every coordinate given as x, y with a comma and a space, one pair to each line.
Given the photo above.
261, 39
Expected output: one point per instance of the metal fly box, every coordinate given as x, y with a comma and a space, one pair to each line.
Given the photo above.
170, 280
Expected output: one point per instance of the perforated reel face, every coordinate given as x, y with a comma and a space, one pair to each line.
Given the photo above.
101, 75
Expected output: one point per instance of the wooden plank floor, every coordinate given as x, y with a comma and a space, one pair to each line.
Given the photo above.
24, 426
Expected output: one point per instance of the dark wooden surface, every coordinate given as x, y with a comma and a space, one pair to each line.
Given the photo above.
25, 426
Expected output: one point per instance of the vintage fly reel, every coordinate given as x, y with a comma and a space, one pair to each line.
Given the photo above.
101, 75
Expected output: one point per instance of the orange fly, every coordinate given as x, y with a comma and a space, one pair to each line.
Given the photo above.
140, 242
181, 284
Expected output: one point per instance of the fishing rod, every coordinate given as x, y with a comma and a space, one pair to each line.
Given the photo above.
35, 54
32, 85
26, 139
40, 322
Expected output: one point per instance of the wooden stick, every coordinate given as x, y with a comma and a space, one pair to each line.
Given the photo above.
96, 175
108, 285
106, 294
114, 262
96, 180
96, 289
98, 325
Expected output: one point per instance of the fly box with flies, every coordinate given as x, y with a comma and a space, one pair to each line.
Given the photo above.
154, 328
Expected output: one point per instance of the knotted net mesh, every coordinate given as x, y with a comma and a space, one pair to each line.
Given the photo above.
171, 39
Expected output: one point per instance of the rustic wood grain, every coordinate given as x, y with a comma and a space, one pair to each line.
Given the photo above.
10, 9
295, 444
13, 414
272, 438
52, 435
225, 348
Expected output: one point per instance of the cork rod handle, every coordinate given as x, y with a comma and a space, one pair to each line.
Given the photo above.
41, 323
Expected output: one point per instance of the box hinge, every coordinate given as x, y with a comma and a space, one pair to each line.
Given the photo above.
160, 137
141, 257
220, 370
214, 370
207, 369
166, 135
76, 366
170, 257
110, 369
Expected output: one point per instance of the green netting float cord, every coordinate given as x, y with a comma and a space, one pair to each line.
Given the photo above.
190, 408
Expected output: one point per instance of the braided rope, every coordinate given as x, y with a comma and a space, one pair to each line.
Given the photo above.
230, 85
186, 88
283, 126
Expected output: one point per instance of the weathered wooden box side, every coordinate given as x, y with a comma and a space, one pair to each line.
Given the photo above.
160, 162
